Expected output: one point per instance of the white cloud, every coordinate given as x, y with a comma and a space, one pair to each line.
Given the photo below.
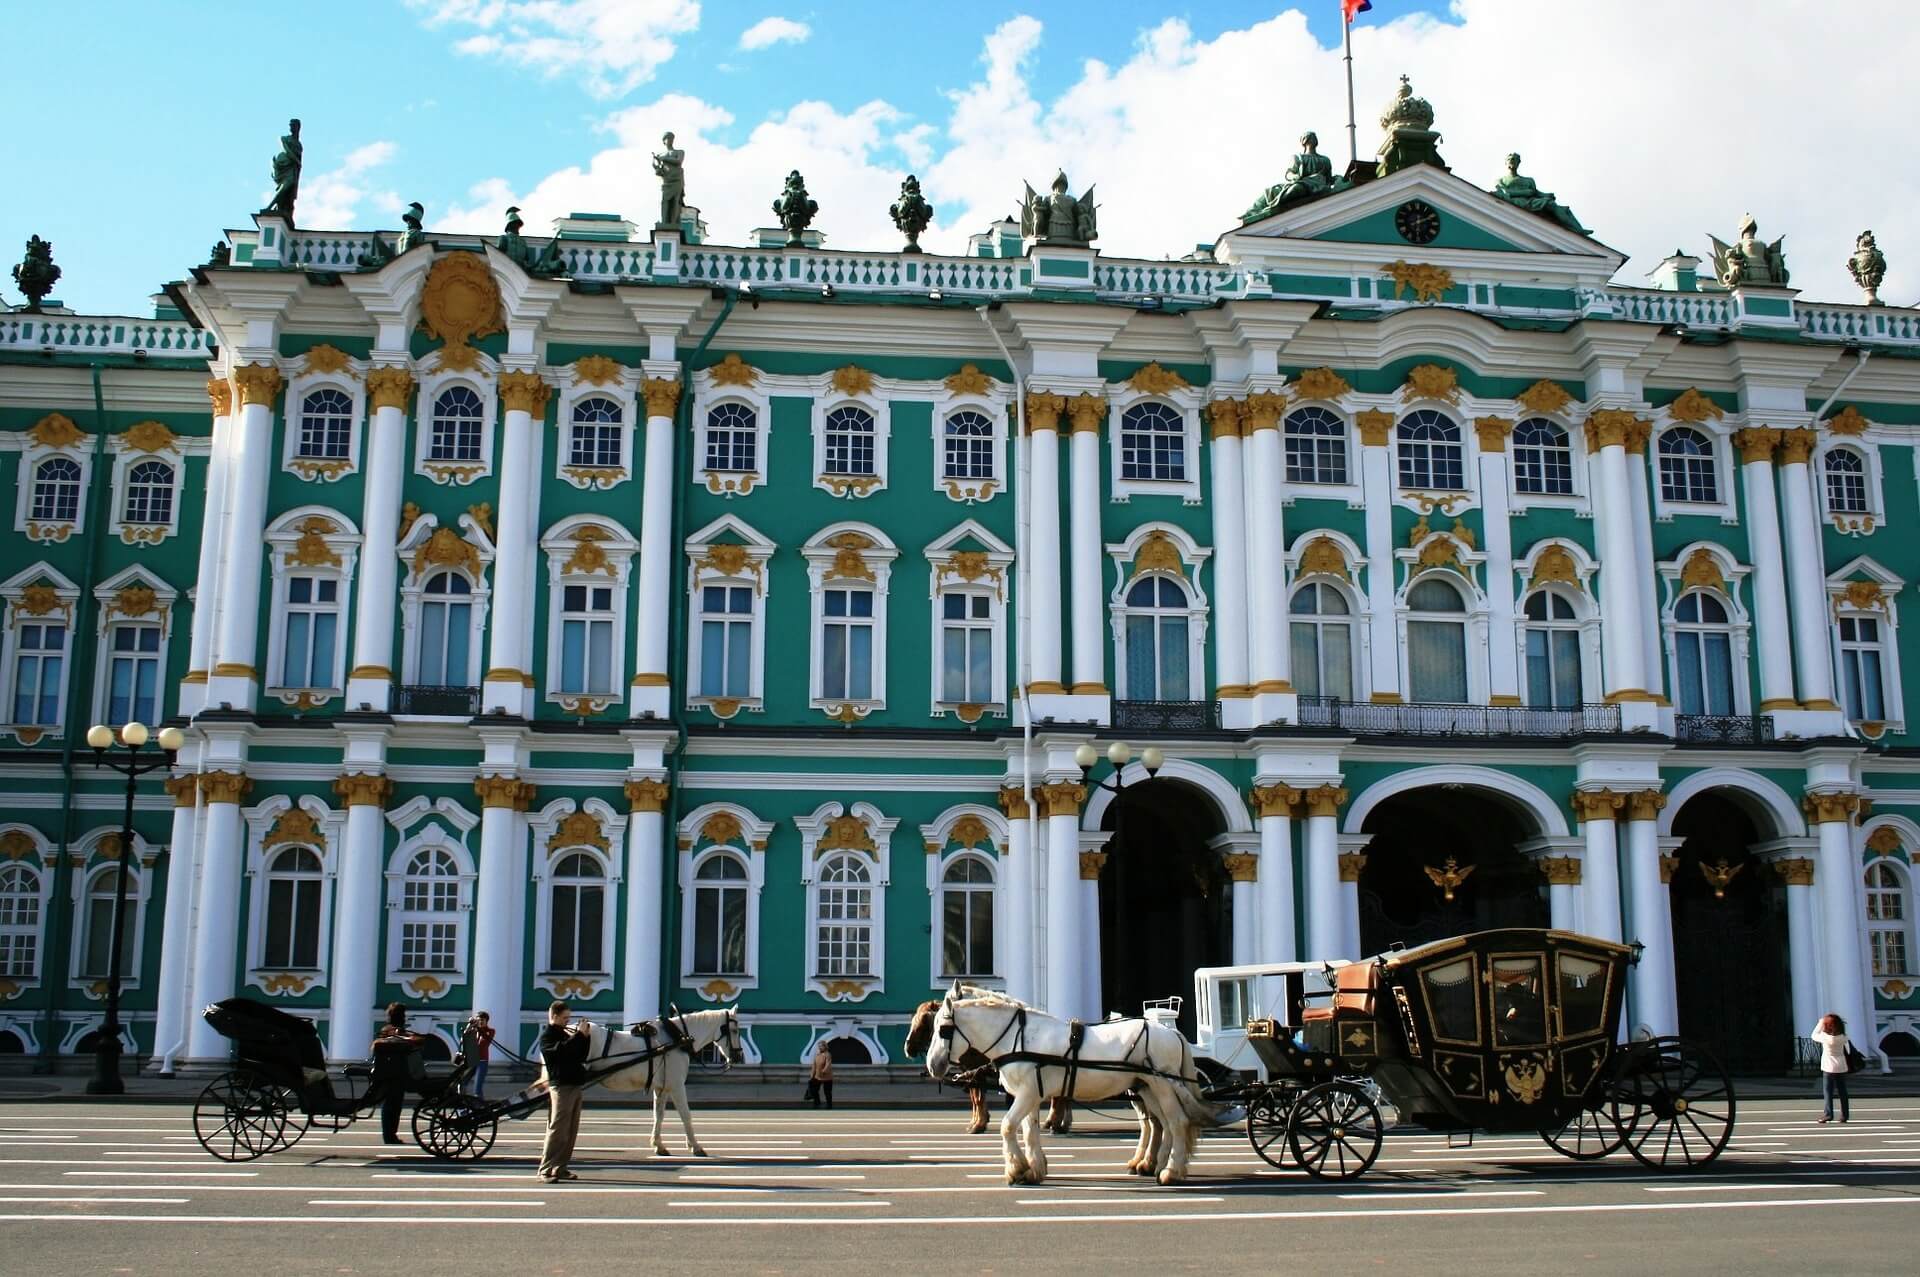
1654, 137
770, 31
331, 200
611, 46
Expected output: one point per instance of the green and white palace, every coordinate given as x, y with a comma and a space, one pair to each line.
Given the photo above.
637, 620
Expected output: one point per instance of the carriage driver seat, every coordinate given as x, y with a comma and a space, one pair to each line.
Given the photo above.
1353, 987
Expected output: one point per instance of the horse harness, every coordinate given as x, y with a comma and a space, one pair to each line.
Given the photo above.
1070, 1061
672, 1027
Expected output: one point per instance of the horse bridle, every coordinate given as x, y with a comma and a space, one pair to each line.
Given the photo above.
951, 1029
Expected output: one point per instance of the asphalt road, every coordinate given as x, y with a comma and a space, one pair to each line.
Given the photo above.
126, 1189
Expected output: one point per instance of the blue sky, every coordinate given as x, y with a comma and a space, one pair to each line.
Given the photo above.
139, 130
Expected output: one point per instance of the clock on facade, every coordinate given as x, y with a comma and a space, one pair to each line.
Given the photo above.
1417, 221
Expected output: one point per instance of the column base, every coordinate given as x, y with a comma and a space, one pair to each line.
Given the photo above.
1067, 708
1275, 707
193, 697
650, 700
502, 697
1807, 723
369, 695
1646, 716
231, 691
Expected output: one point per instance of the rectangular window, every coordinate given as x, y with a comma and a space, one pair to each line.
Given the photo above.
966, 649
427, 946
1437, 661
1323, 659
845, 943
594, 444
574, 937
726, 641
313, 625
97, 960
1553, 668
133, 675
720, 931
38, 657
967, 933
846, 646
968, 451
586, 639
1862, 684
293, 923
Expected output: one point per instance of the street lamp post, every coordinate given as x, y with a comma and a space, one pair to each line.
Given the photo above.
134, 737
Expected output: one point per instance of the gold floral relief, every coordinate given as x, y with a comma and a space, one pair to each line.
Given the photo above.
460, 302
1158, 553
848, 562
588, 556
597, 370
55, 430
733, 371
446, 548
1323, 556
1426, 283
580, 828
312, 550
295, 825
846, 833
325, 358
1693, 408
1847, 421
1555, 563
1702, 569
1433, 381
150, 436
970, 381
1544, 396
1319, 383
1152, 379
851, 380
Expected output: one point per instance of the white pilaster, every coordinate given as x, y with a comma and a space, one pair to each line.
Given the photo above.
1623, 647
511, 609
498, 932
1502, 650
1275, 882
1655, 1002
651, 693
1089, 645
354, 979
216, 949
1017, 891
1230, 579
1327, 931
1803, 947
1842, 980
1043, 543
1065, 951
1376, 480
1770, 627
193, 691
370, 681
1806, 578
1353, 862
1653, 658
234, 678
176, 941
1598, 812
1092, 996
646, 909
1269, 654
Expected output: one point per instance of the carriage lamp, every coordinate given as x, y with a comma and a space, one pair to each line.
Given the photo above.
134, 763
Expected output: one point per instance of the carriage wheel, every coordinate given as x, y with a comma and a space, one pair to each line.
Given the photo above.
1335, 1131
1587, 1135
1267, 1125
297, 1122
240, 1116
1673, 1102
454, 1128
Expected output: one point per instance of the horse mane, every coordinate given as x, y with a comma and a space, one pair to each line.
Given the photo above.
976, 995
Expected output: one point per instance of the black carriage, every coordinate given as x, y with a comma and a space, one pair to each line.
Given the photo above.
1502, 1031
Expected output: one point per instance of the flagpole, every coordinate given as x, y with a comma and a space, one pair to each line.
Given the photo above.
1353, 129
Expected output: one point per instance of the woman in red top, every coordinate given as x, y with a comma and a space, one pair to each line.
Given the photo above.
476, 1043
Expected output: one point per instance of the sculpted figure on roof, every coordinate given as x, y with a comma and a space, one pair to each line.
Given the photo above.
1520, 192
1751, 261
668, 166
286, 173
1310, 174
1059, 218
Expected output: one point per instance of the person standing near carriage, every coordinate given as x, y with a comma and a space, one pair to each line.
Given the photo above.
563, 1047
476, 1043
1831, 1034
395, 1050
820, 1077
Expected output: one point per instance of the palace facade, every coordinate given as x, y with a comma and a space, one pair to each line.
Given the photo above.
642, 621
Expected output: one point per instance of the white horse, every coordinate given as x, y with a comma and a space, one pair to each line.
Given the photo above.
1114, 1056
664, 1071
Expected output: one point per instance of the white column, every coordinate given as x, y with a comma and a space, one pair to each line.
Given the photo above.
1230, 579
498, 933
234, 679
1803, 951
1376, 481
1502, 651
1043, 544
1623, 646
1806, 578
1276, 805
1243, 869
1065, 953
524, 394
646, 910
1089, 647
1842, 981
170, 993
1769, 572
650, 689
376, 599
1269, 655
1655, 1000
354, 979
1327, 931
1016, 890
1092, 998
1653, 659
216, 948
1563, 891
213, 507
1598, 812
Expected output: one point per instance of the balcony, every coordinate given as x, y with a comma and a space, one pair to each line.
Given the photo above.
437, 702
1457, 720
1166, 716
1723, 729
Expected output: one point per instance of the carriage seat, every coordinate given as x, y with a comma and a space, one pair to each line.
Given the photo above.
1353, 987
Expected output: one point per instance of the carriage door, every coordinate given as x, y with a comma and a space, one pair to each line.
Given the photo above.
1522, 1069
1581, 1042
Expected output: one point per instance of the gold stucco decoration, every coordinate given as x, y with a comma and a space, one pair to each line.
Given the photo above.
851, 380
1261, 412
1086, 412
325, 358
312, 550
1426, 283
661, 394
578, 829
1319, 383
1158, 553
972, 565
1884, 841
597, 370
220, 395
722, 827
460, 302
40, 599
969, 381
1693, 408
1044, 409
446, 548
587, 555
150, 436
16, 843
1432, 381
1847, 421
1492, 433
409, 515
1152, 379
733, 371
135, 600
1374, 425
646, 795
1544, 396
1862, 596
1702, 569
846, 833
482, 515
55, 430
258, 383
363, 789
1224, 415
389, 387
1555, 563
970, 831
524, 392
848, 563
1323, 556
294, 826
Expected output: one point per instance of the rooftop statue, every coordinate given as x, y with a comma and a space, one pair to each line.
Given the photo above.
535, 261
221, 254
1410, 139
912, 214
1868, 266
795, 209
1522, 193
1311, 174
36, 274
1059, 218
668, 167
415, 232
1751, 262
286, 173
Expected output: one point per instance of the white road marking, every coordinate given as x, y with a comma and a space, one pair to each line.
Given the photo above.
117, 1173
349, 1201
158, 1201
810, 1205
1128, 1199
1438, 1190
755, 1179
1727, 1188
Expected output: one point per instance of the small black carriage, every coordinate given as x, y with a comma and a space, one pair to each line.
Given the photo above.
1501, 1031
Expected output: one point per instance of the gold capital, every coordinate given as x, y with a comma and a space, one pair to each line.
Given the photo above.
1561, 871
1224, 414
1597, 804
662, 395
390, 387
258, 383
1796, 446
1091, 863
1756, 443
1062, 798
1242, 868
1645, 804
1668, 866
1637, 435
225, 787
524, 392
221, 393
1324, 800
1351, 864
647, 795
182, 788
1276, 800
1826, 808
1014, 803
1609, 428
1795, 871
504, 791
363, 789
1493, 432
1086, 413
1374, 426
1044, 409
1262, 411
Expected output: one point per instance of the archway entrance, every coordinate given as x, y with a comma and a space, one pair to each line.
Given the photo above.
1730, 938
1165, 903
1416, 832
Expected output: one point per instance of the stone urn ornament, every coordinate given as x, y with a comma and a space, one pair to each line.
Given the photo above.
912, 214
1868, 266
36, 274
795, 209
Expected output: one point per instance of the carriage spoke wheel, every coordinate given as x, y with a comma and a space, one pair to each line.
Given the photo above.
240, 1116
297, 1122
1588, 1133
1674, 1103
1267, 1126
1335, 1131
454, 1128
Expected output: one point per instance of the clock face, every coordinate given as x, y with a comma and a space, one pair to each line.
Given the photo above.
1417, 221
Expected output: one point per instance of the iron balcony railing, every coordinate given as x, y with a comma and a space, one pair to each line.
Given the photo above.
444, 702
1166, 716
1723, 729
1365, 719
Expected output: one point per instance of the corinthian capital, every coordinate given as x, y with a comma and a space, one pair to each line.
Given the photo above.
524, 392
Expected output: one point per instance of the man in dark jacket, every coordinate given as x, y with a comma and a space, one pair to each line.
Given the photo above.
392, 1048
564, 1047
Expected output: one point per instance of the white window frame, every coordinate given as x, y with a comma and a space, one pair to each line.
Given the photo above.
413, 594
814, 829
260, 821
1850, 521
1185, 402
1725, 472
992, 404
1883, 609
938, 837
550, 849
433, 838
1295, 489
480, 380
106, 597
125, 458
697, 884
1905, 927
869, 401
560, 545
1577, 457
1355, 622
823, 574
704, 570
746, 838
1475, 618
707, 395
1191, 556
1453, 416
1732, 574
78, 449
572, 390
1586, 627
988, 575
1586, 608
299, 385
63, 599
40, 864
284, 537
133, 934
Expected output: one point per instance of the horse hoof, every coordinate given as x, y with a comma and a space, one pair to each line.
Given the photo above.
699, 1152
1168, 1177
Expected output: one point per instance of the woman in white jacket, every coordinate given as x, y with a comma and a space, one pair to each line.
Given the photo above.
1831, 1034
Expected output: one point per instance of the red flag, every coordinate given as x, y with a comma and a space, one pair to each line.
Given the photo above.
1350, 9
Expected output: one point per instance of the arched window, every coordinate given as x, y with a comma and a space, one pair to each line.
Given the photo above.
732, 437
1436, 642
850, 441
966, 918
1553, 652
577, 899
96, 927
726, 640
56, 491
430, 912
1846, 472
326, 424
967, 446
1153, 443
586, 639
1542, 458
594, 437
1322, 634
446, 632
39, 653
843, 930
1703, 647
19, 921
1316, 446
133, 673
312, 623
1431, 454
1686, 466
720, 916
294, 884
457, 414
1887, 919
149, 493
1159, 660
1863, 666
